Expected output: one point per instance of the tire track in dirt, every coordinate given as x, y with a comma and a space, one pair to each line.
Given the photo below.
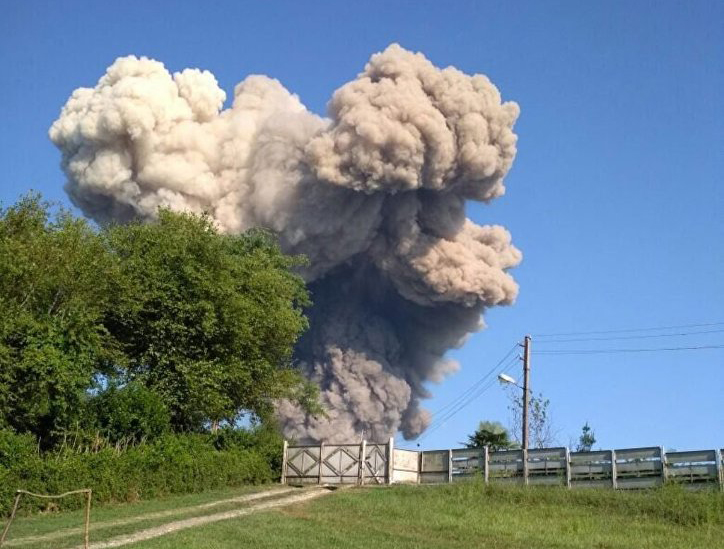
60, 534
177, 526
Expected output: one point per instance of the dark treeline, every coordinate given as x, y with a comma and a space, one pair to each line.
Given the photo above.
123, 334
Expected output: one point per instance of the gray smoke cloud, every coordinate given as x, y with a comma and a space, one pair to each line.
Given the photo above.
374, 196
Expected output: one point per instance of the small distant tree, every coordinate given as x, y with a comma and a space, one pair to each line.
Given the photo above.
586, 440
541, 432
491, 434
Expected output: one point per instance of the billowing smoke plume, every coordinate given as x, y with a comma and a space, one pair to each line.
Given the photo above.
374, 196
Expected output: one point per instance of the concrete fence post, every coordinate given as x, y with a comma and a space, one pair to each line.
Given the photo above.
362, 463
421, 467
486, 464
285, 449
719, 459
321, 457
568, 468
614, 473
390, 459
664, 471
449, 466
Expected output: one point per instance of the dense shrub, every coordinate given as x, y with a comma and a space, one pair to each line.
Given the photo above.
263, 438
121, 345
171, 464
130, 412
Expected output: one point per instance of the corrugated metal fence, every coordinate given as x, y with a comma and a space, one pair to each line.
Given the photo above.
619, 469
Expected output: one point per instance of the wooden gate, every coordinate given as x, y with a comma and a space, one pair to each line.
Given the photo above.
337, 463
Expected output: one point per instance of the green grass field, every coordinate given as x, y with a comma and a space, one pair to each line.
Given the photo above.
460, 516
474, 515
65, 529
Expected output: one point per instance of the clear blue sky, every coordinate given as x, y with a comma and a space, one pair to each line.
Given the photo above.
616, 196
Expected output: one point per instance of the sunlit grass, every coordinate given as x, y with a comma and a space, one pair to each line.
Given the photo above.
475, 515
67, 526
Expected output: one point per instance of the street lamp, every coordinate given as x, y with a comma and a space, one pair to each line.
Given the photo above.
504, 378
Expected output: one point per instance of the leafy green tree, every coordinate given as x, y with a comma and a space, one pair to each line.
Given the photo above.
586, 440
56, 283
178, 320
210, 320
491, 434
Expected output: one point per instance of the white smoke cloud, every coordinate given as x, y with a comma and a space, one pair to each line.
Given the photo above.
403, 124
374, 196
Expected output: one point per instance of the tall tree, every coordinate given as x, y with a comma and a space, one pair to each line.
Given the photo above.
206, 322
211, 319
56, 282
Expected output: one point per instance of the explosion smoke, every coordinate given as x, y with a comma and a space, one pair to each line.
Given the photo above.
374, 196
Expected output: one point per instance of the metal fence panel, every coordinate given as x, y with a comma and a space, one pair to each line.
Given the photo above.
506, 455
592, 469
625, 468
591, 484
652, 452
586, 457
691, 457
638, 482
434, 461
467, 453
546, 453
550, 480
467, 463
505, 464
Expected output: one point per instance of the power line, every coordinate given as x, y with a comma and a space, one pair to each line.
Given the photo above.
611, 351
442, 419
475, 385
471, 394
483, 384
451, 413
631, 330
468, 396
647, 336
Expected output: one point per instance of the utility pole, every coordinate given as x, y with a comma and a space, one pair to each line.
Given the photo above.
526, 390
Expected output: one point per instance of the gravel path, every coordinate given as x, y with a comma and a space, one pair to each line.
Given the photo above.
60, 534
185, 524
